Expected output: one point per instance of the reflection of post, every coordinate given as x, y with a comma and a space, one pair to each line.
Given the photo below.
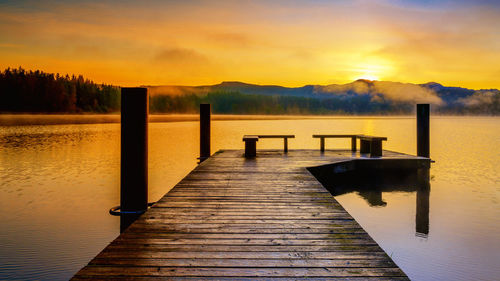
134, 154
374, 198
423, 193
204, 132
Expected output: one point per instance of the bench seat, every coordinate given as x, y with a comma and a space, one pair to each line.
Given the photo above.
368, 144
322, 140
251, 143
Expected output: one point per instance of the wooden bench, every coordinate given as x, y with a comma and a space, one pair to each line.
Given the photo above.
323, 137
251, 143
368, 144
371, 144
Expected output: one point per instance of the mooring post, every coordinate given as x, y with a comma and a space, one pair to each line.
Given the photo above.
204, 131
423, 135
134, 154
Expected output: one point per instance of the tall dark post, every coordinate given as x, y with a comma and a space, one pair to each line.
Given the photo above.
204, 132
423, 194
423, 136
134, 154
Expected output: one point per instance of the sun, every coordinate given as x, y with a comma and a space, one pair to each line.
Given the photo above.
372, 69
367, 76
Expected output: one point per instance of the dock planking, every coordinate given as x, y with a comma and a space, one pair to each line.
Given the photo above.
233, 218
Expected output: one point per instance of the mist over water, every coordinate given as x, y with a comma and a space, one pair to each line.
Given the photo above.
57, 183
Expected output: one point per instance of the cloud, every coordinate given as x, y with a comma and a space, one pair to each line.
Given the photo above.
175, 90
358, 87
379, 90
406, 92
180, 56
479, 98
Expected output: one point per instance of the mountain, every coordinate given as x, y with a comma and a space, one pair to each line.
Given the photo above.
445, 99
358, 97
232, 86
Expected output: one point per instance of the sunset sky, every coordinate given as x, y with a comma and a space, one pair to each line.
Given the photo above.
290, 43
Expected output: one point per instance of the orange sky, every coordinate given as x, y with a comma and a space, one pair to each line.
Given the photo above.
289, 43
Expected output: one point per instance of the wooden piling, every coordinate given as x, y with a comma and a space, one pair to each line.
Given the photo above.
423, 135
204, 131
134, 153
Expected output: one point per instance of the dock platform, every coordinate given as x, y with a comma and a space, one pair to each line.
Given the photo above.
266, 218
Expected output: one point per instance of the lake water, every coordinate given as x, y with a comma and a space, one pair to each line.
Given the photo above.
57, 183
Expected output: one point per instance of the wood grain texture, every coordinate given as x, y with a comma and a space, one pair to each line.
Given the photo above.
233, 218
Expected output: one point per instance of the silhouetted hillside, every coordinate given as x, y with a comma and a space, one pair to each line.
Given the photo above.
361, 96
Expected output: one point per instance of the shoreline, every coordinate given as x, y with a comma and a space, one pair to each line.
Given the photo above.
63, 119
67, 119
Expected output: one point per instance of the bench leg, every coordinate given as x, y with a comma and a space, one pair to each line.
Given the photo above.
322, 144
376, 148
285, 143
353, 144
364, 146
250, 148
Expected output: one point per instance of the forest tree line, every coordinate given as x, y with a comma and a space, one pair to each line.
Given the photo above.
37, 91
238, 103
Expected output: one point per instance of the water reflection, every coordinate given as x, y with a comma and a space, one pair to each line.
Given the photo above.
370, 184
58, 182
423, 194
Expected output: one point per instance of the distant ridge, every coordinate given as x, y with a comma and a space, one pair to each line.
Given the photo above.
431, 92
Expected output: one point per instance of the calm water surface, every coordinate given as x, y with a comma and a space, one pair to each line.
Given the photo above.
57, 183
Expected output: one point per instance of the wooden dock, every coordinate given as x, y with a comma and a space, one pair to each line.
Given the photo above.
233, 218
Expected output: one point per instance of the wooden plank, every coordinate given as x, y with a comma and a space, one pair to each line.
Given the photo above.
232, 262
132, 235
276, 136
248, 221
244, 248
169, 228
342, 255
287, 204
370, 138
232, 203
208, 278
238, 272
224, 217
245, 241
257, 228
243, 194
232, 218
244, 212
